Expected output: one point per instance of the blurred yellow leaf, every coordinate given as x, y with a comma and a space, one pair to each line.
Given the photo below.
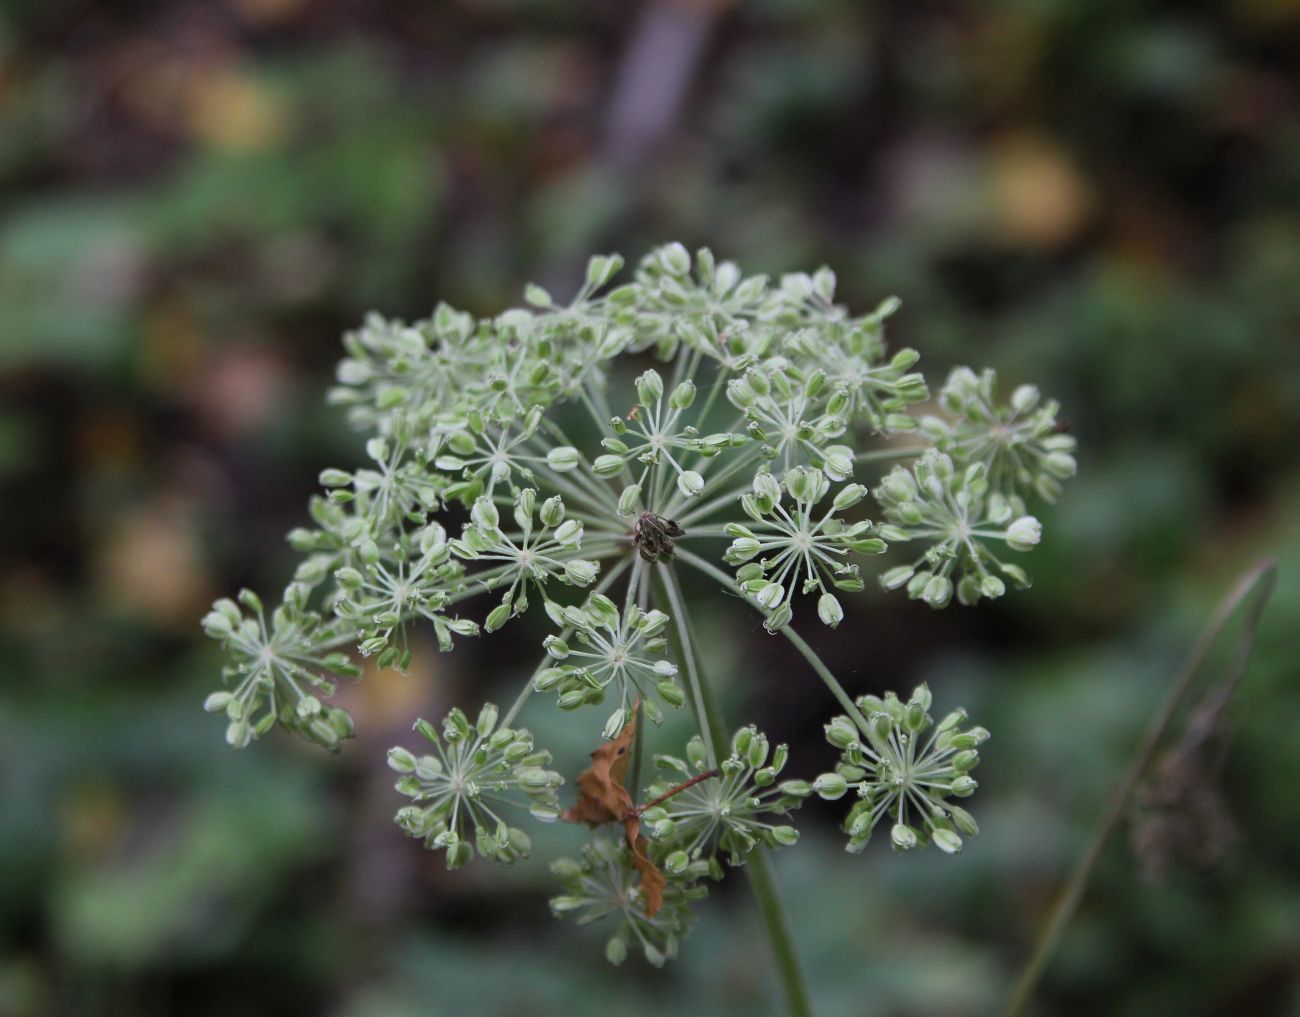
149, 564
230, 109
1039, 198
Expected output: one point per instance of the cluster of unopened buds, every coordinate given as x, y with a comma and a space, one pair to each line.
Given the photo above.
774, 445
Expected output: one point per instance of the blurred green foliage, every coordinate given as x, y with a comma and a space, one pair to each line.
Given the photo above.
195, 199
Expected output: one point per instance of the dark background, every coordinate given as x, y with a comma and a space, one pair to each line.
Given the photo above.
196, 198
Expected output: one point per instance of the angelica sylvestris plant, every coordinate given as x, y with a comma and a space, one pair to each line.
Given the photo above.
570, 459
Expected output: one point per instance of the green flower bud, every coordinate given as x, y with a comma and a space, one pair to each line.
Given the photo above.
218, 702
903, 836
829, 610
552, 512
401, 760
607, 465
615, 946
627, 501
946, 840
1024, 533
841, 732
563, 459
963, 820
837, 464
349, 578
497, 617
485, 514
786, 836
683, 395
767, 486
649, 388
964, 786
675, 259
830, 786
487, 720
690, 483
580, 572
569, 533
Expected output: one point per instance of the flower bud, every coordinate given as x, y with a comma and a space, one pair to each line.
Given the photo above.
580, 572
552, 511
675, 259
848, 496
893, 578
563, 459
217, 702
830, 786
349, 578
649, 387
946, 841
485, 514
903, 836
785, 836
569, 533
964, 786
767, 486
627, 501
937, 591
487, 720
497, 617
841, 732
837, 464
607, 465
690, 483
683, 395
1024, 533
829, 610
400, 760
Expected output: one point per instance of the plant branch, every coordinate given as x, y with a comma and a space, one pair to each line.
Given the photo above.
757, 866
1260, 581
807, 652
609, 579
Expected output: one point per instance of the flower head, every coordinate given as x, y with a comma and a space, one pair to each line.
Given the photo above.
953, 512
1020, 443
609, 649
799, 547
604, 883
733, 811
476, 777
277, 670
897, 771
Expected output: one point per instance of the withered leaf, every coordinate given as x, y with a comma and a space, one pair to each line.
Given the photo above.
602, 798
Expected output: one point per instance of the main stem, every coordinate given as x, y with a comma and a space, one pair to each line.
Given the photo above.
758, 867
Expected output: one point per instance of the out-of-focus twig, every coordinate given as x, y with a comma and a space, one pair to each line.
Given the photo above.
664, 51
1259, 581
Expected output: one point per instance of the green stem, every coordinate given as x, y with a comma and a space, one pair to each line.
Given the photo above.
808, 653
605, 583
878, 455
1259, 580
757, 867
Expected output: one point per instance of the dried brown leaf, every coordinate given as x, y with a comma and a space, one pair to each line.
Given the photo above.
603, 798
